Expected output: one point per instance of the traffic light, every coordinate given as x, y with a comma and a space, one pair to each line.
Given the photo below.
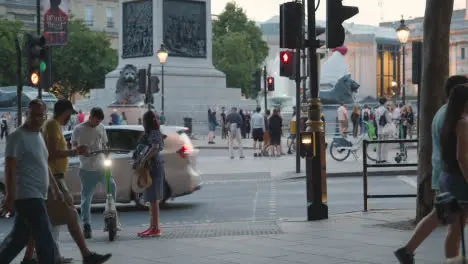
319, 31
270, 84
288, 64
256, 82
142, 81
290, 24
35, 52
337, 13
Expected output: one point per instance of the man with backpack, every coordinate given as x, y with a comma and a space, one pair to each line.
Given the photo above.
384, 118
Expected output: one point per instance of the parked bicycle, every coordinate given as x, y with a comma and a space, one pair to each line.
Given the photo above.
341, 147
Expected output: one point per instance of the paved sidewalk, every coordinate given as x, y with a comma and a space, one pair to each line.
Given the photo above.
285, 166
343, 239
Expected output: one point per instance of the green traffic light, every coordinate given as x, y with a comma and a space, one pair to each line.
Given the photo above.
42, 66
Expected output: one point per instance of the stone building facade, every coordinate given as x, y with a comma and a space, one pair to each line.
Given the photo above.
99, 15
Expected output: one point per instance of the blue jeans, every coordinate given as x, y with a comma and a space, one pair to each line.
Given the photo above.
89, 181
31, 220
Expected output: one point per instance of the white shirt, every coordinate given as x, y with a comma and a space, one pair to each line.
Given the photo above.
382, 110
342, 113
93, 137
396, 113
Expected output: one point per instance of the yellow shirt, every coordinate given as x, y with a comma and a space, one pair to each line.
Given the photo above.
52, 130
292, 126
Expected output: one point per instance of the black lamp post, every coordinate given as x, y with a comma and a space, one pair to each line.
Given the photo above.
403, 33
162, 56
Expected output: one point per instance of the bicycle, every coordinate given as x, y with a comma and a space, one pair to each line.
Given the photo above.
110, 212
346, 147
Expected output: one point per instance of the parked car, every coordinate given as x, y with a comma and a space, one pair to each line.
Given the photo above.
179, 156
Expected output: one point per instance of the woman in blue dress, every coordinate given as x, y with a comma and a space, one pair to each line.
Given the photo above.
153, 138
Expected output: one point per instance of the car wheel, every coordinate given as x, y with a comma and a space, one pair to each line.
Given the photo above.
139, 201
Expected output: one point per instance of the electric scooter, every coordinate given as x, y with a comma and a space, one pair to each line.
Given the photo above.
110, 211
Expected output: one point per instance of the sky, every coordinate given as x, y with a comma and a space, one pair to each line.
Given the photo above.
369, 11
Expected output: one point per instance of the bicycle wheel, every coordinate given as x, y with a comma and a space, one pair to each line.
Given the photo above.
338, 153
372, 151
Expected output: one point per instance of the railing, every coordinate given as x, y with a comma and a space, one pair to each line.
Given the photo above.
365, 165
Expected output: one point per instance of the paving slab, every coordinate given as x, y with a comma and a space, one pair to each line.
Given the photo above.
346, 238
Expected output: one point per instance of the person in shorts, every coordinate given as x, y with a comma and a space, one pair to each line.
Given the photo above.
258, 129
292, 134
431, 221
63, 212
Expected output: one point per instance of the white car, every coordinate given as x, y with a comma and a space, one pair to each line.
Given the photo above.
179, 157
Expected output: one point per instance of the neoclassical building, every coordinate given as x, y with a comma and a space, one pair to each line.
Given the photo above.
99, 15
374, 56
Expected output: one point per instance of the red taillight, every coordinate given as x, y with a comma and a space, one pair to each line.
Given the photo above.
184, 151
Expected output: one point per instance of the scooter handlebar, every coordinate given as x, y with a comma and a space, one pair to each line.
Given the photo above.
109, 151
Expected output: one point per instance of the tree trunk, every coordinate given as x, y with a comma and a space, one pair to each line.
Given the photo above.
437, 21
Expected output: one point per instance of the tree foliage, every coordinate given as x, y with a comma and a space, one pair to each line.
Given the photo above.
83, 63
9, 30
238, 47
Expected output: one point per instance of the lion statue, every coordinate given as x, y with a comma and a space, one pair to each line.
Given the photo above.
342, 93
126, 90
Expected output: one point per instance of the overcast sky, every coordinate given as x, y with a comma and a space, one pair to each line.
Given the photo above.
369, 10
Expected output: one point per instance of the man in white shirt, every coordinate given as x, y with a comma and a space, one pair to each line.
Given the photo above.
258, 130
343, 119
383, 119
92, 134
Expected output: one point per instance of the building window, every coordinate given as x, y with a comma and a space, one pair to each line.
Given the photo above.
88, 15
387, 70
462, 53
110, 17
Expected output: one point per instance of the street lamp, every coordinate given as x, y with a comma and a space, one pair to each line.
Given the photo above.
162, 56
403, 33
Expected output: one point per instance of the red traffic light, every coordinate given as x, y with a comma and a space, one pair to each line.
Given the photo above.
285, 57
270, 80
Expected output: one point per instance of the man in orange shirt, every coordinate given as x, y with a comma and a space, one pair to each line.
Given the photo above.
64, 212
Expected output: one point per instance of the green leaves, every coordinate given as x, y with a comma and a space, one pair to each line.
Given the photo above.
84, 62
238, 47
9, 30
77, 67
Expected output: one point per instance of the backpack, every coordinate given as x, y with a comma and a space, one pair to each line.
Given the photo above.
383, 119
365, 115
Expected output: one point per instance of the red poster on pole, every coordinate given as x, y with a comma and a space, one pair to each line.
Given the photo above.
55, 22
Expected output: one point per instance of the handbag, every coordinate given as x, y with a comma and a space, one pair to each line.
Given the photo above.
141, 178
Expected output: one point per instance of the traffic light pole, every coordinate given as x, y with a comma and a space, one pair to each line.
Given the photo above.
299, 43
265, 88
148, 92
38, 32
316, 173
19, 83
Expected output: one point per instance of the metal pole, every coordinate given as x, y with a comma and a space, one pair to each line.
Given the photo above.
38, 32
403, 76
19, 83
162, 91
265, 86
299, 41
315, 164
149, 93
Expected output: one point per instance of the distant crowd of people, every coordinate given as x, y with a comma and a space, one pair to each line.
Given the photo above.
265, 130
